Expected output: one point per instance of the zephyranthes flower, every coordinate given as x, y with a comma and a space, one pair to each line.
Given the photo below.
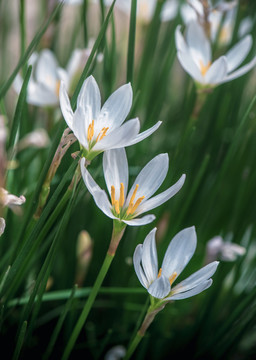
98, 129
127, 207
195, 55
179, 252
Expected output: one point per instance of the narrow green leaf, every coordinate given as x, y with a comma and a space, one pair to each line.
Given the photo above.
20, 341
131, 42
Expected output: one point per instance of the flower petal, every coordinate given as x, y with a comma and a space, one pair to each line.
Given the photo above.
140, 221
149, 257
179, 252
119, 137
115, 167
161, 198
80, 126
179, 40
137, 266
89, 98
144, 134
236, 55
197, 278
65, 106
160, 287
217, 71
190, 66
196, 290
46, 69
117, 107
169, 10
99, 195
151, 177
198, 44
243, 70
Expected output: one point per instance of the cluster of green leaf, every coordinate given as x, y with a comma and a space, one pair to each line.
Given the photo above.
215, 149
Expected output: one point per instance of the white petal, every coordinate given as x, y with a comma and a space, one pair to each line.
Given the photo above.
80, 126
217, 71
99, 195
160, 287
120, 136
161, 198
46, 69
150, 178
89, 98
243, 70
117, 107
65, 106
238, 53
196, 290
198, 44
137, 266
195, 279
2, 225
187, 62
115, 167
179, 252
140, 221
144, 134
169, 10
179, 40
149, 257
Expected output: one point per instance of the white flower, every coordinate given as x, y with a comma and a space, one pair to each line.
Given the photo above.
195, 55
146, 8
224, 250
72, 2
127, 208
44, 83
12, 201
115, 353
37, 138
178, 254
99, 129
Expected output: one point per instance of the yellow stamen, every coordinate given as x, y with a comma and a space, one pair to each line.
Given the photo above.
121, 198
102, 134
134, 194
113, 195
134, 208
90, 132
129, 209
57, 87
116, 204
160, 273
172, 277
204, 68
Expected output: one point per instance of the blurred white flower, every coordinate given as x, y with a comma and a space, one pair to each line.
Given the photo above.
72, 2
2, 225
178, 254
195, 56
115, 353
217, 248
146, 8
99, 129
44, 84
127, 208
38, 138
12, 201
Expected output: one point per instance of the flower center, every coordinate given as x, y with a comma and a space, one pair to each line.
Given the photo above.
204, 68
171, 278
118, 204
90, 133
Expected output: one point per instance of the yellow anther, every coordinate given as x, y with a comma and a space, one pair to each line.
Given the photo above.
204, 68
121, 198
134, 194
160, 273
116, 204
57, 87
134, 208
90, 132
102, 134
172, 277
113, 191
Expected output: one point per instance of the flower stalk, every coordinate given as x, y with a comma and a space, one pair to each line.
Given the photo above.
117, 234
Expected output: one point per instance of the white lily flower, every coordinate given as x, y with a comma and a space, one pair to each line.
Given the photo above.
10, 200
44, 84
178, 254
224, 250
98, 129
195, 56
127, 207
146, 8
2, 226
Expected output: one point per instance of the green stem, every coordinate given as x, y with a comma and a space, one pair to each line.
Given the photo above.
118, 231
